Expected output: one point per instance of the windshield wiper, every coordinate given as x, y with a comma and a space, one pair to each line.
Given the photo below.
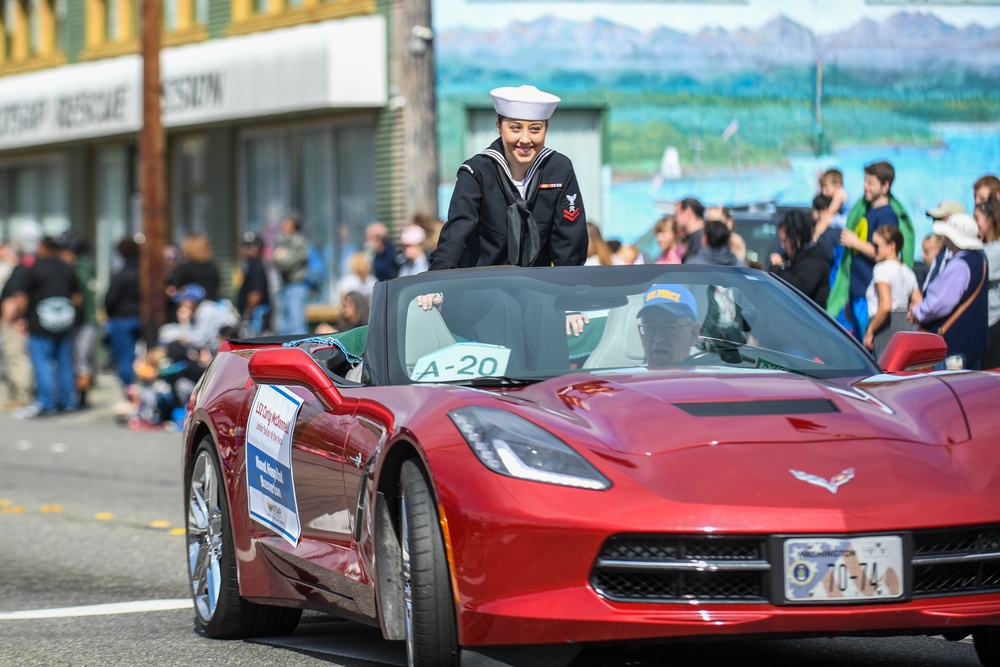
500, 381
735, 352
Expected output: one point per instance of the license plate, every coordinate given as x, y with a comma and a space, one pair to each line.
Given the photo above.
838, 569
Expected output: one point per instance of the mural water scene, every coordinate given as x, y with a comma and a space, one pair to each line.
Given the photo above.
743, 102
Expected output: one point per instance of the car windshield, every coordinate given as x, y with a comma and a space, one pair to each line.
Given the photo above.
505, 325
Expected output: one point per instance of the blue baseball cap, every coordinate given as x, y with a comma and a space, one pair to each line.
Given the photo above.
190, 292
673, 298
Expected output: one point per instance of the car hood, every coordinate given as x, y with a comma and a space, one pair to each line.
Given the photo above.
649, 413
777, 440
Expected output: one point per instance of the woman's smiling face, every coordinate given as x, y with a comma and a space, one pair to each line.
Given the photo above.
522, 140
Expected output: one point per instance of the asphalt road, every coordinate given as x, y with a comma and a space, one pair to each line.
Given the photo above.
92, 572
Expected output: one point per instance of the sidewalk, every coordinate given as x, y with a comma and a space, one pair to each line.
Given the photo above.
103, 396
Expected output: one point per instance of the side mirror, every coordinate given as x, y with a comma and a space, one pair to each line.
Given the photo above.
291, 365
913, 351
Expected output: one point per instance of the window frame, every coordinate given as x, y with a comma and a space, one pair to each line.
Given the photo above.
97, 42
18, 50
278, 14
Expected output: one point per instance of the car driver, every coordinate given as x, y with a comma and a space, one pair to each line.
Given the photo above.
668, 324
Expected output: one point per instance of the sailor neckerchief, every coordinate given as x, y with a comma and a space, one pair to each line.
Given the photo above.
520, 221
501, 161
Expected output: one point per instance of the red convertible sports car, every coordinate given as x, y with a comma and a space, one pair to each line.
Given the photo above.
508, 464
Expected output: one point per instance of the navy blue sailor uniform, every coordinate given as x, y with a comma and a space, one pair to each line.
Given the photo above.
489, 223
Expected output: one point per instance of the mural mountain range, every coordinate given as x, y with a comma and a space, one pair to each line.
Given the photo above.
905, 43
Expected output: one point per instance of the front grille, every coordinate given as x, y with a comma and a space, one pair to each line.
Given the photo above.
954, 561
722, 568
643, 568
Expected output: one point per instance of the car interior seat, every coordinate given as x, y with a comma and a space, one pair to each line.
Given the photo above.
610, 351
425, 333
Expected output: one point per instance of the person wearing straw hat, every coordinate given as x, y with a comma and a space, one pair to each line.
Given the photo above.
938, 214
956, 305
517, 201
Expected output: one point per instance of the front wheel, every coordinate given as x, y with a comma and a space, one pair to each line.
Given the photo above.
220, 612
987, 642
431, 634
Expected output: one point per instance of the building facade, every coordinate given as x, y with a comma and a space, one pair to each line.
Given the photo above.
268, 106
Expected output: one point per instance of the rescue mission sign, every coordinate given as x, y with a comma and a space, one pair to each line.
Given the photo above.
332, 64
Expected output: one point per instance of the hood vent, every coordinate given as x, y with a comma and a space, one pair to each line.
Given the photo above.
806, 406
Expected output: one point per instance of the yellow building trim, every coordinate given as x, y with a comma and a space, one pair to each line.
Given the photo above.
126, 19
112, 49
19, 42
185, 16
95, 19
244, 21
46, 29
54, 59
241, 10
194, 33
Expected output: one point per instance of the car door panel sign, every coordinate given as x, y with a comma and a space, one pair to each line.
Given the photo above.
270, 489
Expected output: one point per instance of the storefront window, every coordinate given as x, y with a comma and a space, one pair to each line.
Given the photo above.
33, 199
112, 200
191, 200
324, 174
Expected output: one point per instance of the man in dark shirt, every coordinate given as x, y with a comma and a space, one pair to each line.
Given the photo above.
877, 208
690, 216
122, 303
382, 250
50, 295
253, 300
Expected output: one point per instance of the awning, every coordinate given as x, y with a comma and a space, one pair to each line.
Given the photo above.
339, 64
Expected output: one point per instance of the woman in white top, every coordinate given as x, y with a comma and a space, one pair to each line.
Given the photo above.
892, 291
987, 214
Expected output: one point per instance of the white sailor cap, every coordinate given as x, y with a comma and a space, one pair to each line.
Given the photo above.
524, 102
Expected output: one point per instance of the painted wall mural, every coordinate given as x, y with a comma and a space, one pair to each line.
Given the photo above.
741, 102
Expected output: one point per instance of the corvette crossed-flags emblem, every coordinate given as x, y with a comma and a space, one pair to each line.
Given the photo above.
831, 485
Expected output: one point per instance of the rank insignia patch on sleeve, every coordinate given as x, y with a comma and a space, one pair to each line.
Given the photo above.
571, 212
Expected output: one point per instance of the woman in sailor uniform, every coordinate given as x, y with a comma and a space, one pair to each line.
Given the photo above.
516, 202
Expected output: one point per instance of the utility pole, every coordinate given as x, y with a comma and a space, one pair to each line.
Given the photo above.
151, 177
415, 46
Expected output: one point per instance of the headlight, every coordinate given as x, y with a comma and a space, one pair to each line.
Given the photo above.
510, 445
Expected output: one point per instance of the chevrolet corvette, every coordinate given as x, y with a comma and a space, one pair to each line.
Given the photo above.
510, 464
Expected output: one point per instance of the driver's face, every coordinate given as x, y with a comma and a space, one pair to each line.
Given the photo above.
666, 338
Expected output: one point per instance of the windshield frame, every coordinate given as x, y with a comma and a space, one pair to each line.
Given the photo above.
593, 285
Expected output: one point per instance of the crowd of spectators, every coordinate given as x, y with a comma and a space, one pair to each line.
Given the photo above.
855, 260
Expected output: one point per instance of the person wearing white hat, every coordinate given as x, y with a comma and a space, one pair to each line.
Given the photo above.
517, 201
412, 260
956, 304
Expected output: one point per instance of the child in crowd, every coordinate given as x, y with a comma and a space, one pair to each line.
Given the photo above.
891, 293
831, 184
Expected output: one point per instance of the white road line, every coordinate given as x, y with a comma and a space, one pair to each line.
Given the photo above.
98, 609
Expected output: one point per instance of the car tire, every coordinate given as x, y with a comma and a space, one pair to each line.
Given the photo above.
219, 611
431, 634
987, 642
